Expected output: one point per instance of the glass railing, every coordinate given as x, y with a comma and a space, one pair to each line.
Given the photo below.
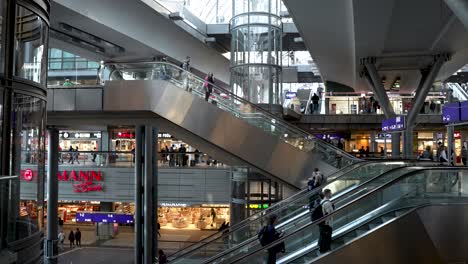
227, 101
126, 159
292, 214
417, 185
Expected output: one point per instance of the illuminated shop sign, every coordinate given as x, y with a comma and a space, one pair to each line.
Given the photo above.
457, 135
28, 175
215, 205
394, 124
258, 206
174, 204
291, 95
84, 181
451, 113
164, 135
100, 217
80, 135
129, 135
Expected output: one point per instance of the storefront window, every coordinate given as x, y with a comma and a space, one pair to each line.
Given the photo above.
31, 50
201, 218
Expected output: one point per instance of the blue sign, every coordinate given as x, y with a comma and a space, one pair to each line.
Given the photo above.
393, 124
291, 95
100, 217
464, 111
451, 113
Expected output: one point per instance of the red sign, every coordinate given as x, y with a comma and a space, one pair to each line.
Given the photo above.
28, 175
456, 135
85, 180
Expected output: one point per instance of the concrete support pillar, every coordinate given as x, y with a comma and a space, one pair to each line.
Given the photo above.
51, 252
460, 9
138, 259
396, 145
418, 100
451, 144
105, 141
373, 143
375, 82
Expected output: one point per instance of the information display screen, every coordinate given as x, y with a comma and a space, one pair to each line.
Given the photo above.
101, 217
451, 113
393, 124
464, 111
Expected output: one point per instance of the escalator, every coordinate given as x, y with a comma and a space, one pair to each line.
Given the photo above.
370, 218
458, 91
224, 123
292, 213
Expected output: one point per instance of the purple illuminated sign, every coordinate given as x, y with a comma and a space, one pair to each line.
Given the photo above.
451, 113
101, 217
393, 124
464, 111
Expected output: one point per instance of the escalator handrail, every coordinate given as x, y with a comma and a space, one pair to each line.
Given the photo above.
416, 169
336, 200
271, 210
296, 129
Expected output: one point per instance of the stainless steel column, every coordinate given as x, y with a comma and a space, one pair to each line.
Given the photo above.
138, 195
396, 145
149, 206
52, 197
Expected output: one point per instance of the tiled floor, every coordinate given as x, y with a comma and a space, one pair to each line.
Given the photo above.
93, 255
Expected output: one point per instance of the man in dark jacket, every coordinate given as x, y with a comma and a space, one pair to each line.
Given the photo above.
78, 237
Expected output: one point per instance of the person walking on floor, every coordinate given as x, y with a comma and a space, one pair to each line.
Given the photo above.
162, 258
61, 239
71, 238
325, 227
78, 237
464, 155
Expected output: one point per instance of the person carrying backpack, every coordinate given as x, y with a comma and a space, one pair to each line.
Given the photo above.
325, 207
267, 235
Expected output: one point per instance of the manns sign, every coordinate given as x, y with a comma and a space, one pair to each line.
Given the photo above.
85, 181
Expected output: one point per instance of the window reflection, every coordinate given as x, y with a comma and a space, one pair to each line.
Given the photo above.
31, 53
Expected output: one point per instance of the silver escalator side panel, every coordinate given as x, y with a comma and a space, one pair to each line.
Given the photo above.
249, 143
402, 240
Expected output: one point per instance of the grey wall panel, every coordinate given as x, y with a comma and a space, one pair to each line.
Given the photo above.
174, 185
403, 241
447, 226
50, 99
251, 144
88, 99
64, 100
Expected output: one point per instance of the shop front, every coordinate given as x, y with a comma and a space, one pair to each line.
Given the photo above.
122, 139
84, 140
193, 217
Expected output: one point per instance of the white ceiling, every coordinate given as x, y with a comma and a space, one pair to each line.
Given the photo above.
402, 34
